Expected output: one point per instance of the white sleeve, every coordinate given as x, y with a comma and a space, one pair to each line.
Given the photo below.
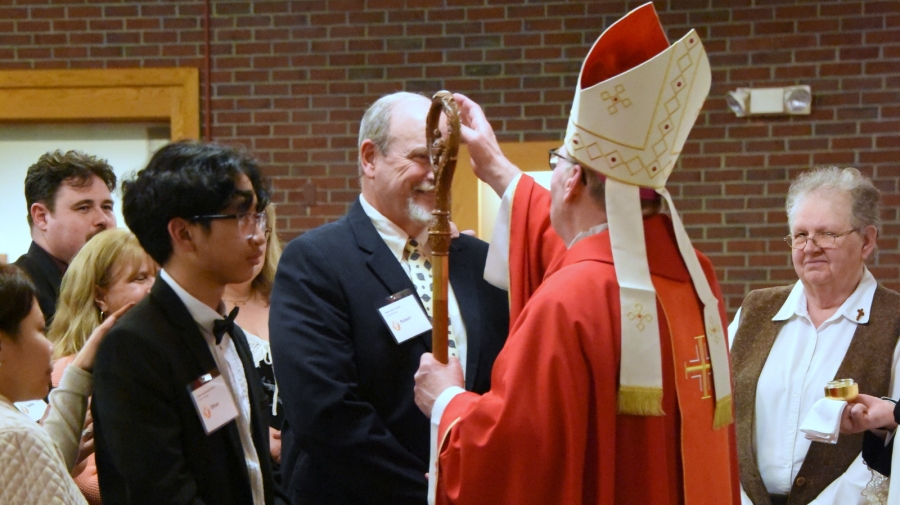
732, 328
437, 411
745, 500
496, 266
68, 405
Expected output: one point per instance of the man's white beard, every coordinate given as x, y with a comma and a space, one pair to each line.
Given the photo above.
417, 212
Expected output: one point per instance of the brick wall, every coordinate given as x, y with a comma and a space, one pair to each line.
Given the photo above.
290, 80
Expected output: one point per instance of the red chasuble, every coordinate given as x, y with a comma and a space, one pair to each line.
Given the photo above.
548, 431
534, 245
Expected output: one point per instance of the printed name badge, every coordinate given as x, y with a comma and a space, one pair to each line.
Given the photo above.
404, 316
213, 401
34, 409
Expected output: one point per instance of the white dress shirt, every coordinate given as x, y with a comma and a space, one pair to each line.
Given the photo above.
395, 238
802, 360
230, 367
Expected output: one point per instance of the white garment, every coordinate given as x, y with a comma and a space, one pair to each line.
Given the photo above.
35, 461
496, 266
229, 364
802, 360
395, 238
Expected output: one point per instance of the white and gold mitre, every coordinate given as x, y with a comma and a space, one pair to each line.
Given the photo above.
636, 101
630, 118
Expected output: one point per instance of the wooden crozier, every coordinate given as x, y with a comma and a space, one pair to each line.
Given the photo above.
442, 152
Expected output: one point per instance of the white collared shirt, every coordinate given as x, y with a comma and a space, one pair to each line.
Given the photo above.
229, 364
395, 238
802, 360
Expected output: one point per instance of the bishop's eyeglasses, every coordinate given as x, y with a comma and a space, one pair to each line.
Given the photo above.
553, 160
247, 222
822, 240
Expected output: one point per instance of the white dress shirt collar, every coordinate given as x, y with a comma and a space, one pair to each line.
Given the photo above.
202, 314
394, 236
856, 307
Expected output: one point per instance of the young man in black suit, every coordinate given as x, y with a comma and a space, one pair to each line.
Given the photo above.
69, 201
353, 434
178, 405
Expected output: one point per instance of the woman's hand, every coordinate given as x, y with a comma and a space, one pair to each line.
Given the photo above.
85, 357
86, 445
275, 444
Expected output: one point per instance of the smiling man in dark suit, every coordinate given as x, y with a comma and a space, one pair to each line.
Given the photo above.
178, 406
344, 363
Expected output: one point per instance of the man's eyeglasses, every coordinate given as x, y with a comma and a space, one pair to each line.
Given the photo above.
554, 158
247, 222
822, 240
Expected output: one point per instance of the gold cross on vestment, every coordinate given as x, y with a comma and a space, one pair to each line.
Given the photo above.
638, 314
860, 313
700, 368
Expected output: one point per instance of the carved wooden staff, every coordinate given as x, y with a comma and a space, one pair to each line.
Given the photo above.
442, 152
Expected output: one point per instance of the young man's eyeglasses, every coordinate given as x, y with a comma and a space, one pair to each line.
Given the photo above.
247, 222
823, 240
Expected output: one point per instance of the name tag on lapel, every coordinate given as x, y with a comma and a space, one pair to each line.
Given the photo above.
213, 401
404, 316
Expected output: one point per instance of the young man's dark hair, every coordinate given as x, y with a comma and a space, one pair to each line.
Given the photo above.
186, 179
52, 169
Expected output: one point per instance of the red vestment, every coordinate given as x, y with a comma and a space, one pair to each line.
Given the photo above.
548, 431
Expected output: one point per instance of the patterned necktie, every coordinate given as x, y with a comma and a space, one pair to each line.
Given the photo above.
420, 274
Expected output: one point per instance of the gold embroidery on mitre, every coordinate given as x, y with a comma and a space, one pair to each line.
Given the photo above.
700, 367
649, 156
616, 99
638, 314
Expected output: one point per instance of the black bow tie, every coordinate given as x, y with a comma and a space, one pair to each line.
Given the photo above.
220, 326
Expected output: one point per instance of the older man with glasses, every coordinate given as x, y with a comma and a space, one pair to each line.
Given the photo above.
789, 342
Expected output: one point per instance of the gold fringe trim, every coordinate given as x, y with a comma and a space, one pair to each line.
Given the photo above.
724, 413
640, 401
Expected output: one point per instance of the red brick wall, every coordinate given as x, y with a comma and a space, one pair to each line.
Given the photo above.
290, 80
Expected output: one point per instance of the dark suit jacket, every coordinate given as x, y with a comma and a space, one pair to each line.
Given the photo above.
151, 446
46, 276
353, 433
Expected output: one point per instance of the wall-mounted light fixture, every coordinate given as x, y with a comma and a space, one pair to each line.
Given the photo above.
790, 100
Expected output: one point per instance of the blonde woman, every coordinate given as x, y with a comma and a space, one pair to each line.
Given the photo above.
110, 272
252, 298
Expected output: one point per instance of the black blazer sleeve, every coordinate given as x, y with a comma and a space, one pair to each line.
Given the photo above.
315, 357
140, 428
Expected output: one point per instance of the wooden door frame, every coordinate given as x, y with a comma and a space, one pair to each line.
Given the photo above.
104, 95
467, 190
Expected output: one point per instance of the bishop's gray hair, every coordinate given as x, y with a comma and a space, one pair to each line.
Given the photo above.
865, 199
376, 122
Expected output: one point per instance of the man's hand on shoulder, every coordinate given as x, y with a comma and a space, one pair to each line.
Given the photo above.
433, 378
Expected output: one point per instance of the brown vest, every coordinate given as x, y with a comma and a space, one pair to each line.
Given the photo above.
868, 361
